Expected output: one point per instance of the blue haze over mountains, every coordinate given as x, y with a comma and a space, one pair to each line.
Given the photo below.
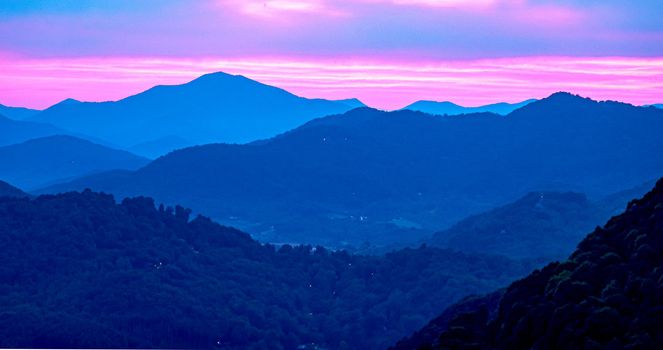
491, 191
216, 107
17, 113
43, 161
450, 108
393, 177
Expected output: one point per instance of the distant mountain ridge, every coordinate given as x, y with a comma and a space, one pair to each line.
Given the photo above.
43, 161
450, 108
17, 113
16, 131
215, 107
385, 177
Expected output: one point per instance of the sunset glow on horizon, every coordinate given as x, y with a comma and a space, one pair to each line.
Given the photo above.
388, 53
385, 85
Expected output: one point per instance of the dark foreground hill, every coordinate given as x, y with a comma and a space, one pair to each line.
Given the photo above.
43, 161
607, 295
378, 177
79, 270
215, 107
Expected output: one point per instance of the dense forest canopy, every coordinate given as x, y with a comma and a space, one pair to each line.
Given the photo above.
607, 295
80, 270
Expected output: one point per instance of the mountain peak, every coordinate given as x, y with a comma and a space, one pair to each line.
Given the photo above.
68, 101
352, 102
565, 96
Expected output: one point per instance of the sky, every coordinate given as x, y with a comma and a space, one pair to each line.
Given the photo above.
388, 53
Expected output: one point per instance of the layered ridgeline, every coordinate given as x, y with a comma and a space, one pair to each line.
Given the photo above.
78, 270
450, 108
607, 295
541, 225
7, 190
15, 131
216, 107
44, 161
392, 177
17, 113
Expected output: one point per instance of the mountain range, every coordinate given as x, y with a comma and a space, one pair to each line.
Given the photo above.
607, 295
216, 107
450, 108
43, 161
385, 177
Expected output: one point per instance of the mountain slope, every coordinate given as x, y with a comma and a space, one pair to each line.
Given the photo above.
14, 131
550, 222
17, 113
79, 270
216, 107
607, 295
450, 108
7, 190
42, 161
379, 177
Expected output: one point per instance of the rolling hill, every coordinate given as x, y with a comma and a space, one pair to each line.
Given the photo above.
386, 177
450, 108
216, 107
607, 295
42, 161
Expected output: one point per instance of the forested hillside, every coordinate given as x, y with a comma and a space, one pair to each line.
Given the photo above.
607, 295
79, 270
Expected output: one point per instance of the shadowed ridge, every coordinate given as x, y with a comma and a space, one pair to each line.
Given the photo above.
7, 190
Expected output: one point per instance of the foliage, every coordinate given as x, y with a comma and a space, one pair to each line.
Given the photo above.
607, 295
79, 270
538, 225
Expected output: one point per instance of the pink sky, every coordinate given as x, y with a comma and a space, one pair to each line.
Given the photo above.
388, 53
386, 84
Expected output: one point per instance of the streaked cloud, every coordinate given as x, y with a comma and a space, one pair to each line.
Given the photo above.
385, 84
387, 52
